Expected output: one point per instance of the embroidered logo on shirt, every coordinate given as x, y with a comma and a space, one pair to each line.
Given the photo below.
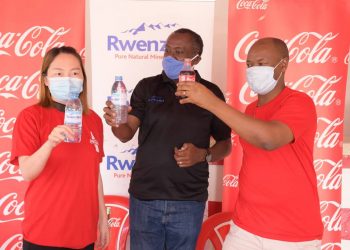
156, 99
94, 142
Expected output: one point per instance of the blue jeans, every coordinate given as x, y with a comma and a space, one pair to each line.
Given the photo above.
164, 224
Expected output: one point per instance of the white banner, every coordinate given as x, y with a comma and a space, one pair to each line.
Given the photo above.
128, 38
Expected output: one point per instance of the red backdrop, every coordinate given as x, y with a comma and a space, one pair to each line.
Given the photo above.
317, 35
27, 30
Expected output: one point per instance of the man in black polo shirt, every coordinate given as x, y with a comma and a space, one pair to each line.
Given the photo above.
168, 187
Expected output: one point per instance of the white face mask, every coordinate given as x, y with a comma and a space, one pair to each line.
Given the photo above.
260, 78
61, 88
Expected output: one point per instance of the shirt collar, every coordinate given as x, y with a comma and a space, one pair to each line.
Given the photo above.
59, 106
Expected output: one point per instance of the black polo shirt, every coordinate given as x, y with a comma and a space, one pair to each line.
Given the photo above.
166, 124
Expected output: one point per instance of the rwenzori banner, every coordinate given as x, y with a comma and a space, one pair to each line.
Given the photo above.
134, 48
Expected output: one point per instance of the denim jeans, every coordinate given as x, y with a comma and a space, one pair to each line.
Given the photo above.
164, 224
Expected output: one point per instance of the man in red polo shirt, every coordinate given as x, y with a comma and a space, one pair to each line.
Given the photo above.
278, 205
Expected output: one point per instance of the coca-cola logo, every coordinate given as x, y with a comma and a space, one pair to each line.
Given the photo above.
6, 125
246, 95
230, 180
234, 139
15, 242
309, 47
331, 246
9, 86
346, 59
82, 54
319, 88
228, 97
330, 212
252, 4
329, 175
114, 222
7, 170
10, 208
31, 42
328, 135
323, 93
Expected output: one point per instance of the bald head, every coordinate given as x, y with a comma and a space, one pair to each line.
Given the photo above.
267, 52
279, 46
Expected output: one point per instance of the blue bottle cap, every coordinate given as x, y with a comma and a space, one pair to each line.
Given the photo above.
73, 95
118, 78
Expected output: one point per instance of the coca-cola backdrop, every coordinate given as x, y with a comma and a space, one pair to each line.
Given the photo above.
28, 29
317, 35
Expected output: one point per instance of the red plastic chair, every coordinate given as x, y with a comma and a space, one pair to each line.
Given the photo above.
118, 213
215, 229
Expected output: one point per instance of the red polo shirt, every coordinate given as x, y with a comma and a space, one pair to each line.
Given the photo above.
61, 204
278, 196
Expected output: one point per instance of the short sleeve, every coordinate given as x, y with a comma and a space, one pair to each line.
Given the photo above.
219, 130
138, 101
298, 112
25, 137
99, 133
100, 127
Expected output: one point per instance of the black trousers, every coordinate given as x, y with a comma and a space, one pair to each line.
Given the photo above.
30, 246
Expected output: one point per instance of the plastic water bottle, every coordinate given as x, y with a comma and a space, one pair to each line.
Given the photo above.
73, 117
187, 73
119, 99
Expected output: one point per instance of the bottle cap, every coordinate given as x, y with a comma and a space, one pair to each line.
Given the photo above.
187, 66
73, 95
118, 78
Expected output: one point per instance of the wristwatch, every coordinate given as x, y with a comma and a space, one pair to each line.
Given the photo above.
208, 156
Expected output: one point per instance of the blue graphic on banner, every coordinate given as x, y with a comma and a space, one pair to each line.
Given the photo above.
116, 44
113, 163
131, 151
123, 42
144, 27
122, 161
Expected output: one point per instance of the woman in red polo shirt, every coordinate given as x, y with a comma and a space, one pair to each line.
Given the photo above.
64, 207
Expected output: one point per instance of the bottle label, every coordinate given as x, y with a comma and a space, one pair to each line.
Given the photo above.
119, 99
187, 78
72, 117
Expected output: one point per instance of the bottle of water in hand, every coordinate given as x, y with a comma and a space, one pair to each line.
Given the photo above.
119, 99
73, 117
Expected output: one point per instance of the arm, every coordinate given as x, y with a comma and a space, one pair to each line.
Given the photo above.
31, 166
124, 132
267, 135
220, 150
103, 236
189, 155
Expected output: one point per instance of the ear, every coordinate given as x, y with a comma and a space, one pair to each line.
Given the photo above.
284, 64
46, 81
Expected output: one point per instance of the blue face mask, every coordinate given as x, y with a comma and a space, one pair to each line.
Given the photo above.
61, 88
172, 67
